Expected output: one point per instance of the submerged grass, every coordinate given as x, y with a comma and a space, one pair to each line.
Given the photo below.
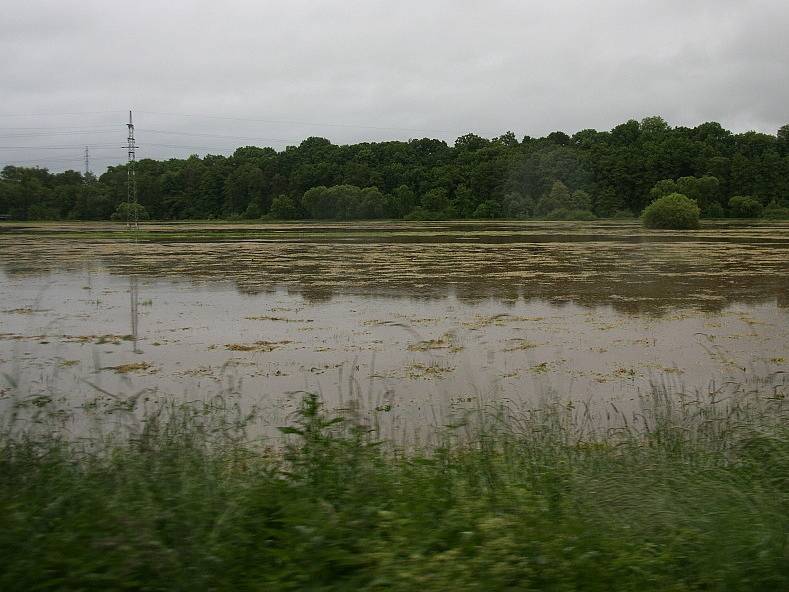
682, 495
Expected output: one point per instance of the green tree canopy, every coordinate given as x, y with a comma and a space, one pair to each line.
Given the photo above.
745, 206
673, 211
623, 169
130, 212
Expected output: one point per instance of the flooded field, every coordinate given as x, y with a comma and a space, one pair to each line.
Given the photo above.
414, 320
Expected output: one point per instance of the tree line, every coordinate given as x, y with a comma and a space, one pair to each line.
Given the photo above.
589, 174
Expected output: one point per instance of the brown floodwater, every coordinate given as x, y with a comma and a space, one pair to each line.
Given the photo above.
416, 320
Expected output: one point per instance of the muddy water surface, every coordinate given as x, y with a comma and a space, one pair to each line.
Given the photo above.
414, 320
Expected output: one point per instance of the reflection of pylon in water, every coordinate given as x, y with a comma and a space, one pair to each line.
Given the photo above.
132, 216
133, 309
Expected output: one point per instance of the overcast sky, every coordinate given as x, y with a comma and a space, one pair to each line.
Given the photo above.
231, 73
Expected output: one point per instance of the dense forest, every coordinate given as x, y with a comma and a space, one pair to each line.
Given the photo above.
589, 174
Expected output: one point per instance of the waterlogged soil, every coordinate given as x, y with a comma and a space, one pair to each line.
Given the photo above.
414, 320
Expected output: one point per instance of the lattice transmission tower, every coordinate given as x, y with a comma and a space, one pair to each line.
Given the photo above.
132, 218
87, 164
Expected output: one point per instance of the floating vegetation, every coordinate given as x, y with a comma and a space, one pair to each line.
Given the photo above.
132, 367
277, 319
626, 268
484, 302
480, 322
323, 368
429, 371
199, 371
98, 339
257, 346
519, 344
446, 341
540, 368
623, 372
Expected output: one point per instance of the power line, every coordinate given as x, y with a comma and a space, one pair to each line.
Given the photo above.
233, 148
60, 127
244, 119
64, 147
78, 158
74, 131
47, 134
294, 122
58, 114
202, 135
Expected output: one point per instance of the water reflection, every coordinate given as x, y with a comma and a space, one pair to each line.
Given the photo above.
413, 356
134, 312
408, 320
619, 265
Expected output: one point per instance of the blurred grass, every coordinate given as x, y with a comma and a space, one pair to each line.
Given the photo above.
682, 495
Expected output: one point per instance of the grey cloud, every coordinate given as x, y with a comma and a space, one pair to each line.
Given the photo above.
437, 66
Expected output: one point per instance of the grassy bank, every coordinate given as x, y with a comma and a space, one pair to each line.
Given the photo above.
690, 496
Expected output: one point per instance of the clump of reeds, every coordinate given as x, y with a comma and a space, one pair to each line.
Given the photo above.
684, 494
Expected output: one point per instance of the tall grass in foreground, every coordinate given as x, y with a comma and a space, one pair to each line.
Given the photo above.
681, 496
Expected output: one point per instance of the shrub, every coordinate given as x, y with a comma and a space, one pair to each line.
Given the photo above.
420, 213
43, 212
488, 209
557, 198
745, 206
580, 200
674, 211
126, 211
340, 202
568, 214
703, 190
622, 215
775, 211
253, 211
372, 204
713, 210
284, 207
435, 200
517, 205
